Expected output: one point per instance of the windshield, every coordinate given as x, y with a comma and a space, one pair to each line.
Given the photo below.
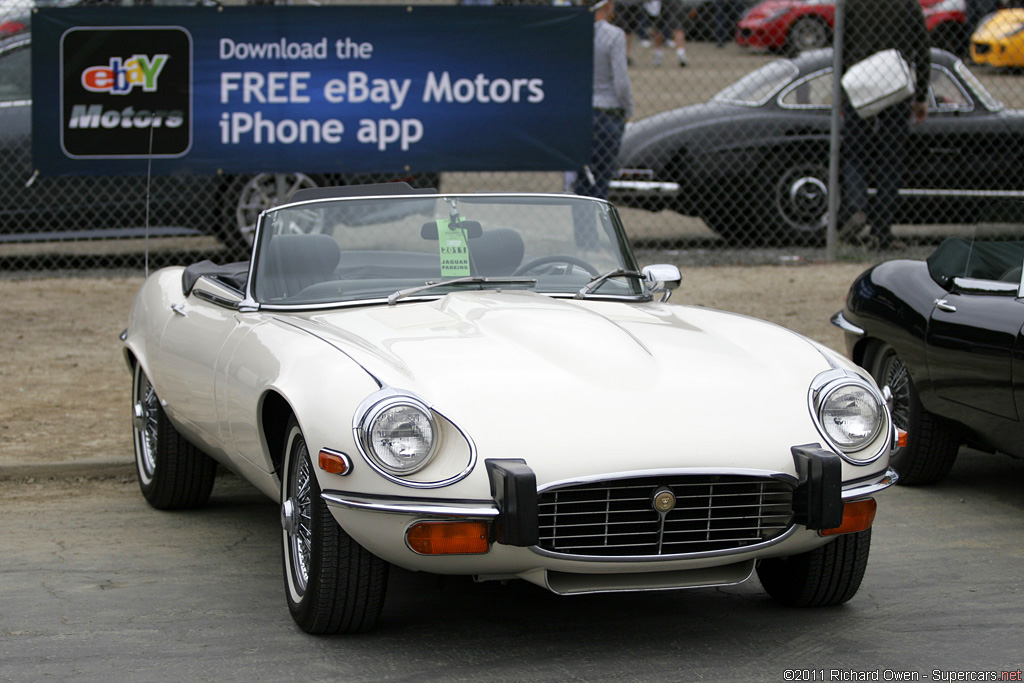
351, 250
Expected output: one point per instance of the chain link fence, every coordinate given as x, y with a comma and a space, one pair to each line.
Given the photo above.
729, 151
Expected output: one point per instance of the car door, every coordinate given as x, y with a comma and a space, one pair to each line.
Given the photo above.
973, 336
191, 347
962, 145
15, 128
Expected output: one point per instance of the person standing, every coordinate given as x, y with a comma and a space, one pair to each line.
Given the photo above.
669, 21
879, 143
612, 103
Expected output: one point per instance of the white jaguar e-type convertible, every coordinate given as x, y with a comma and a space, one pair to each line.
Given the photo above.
486, 385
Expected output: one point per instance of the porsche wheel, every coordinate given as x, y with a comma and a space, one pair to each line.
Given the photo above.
173, 474
252, 196
828, 575
931, 445
333, 584
798, 193
807, 33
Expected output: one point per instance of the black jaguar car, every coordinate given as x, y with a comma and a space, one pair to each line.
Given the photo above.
753, 161
945, 336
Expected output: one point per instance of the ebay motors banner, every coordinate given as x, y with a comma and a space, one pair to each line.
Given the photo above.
317, 89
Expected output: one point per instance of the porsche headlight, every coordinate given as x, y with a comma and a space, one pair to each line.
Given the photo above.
850, 415
400, 435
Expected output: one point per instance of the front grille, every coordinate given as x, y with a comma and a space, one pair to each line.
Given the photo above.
617, 518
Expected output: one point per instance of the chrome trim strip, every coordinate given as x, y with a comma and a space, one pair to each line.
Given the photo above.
912, 192
216, 300
682, 471
411, 506
866, 489
644, 589
840, 321
645, 187
667, 558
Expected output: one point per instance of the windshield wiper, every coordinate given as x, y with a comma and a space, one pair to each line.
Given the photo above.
596, 282
469, 280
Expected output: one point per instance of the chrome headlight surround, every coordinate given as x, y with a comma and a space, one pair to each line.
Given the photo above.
397, 433
850, 414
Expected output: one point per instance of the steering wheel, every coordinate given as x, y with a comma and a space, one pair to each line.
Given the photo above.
556, 258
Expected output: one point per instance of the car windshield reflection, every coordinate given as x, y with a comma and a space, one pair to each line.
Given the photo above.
760, 85
986, 261
352, 250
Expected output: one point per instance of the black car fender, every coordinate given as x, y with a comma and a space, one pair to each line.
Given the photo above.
899, 320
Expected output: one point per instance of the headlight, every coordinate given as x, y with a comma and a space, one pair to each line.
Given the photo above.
400, 435
850, 415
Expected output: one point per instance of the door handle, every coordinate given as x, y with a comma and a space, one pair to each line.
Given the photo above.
179, 309
944, 305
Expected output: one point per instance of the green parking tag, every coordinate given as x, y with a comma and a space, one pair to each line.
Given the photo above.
454, 250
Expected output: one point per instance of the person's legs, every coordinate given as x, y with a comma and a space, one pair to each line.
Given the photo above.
857, 148
604, 153
891, 155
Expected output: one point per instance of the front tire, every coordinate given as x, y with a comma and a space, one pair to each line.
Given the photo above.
333, 584
828, 575
931, 445
173, 474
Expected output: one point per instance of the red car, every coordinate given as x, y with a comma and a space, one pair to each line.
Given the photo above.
792, 26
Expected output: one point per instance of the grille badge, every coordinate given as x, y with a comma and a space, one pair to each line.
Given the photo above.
663, 500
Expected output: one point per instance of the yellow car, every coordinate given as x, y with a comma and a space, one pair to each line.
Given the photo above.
999, 39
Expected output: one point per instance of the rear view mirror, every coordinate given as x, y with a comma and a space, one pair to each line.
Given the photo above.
473, 229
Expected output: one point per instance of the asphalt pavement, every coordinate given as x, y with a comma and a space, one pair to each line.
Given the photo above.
96, 585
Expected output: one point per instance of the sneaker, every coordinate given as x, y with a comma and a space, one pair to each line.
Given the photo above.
681, 54
849, 230
658, 57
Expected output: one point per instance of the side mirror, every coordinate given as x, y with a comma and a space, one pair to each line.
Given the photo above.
663, 278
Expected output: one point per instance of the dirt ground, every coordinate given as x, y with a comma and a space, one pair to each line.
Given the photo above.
64, 385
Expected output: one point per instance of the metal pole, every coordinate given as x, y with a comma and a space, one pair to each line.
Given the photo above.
834, 190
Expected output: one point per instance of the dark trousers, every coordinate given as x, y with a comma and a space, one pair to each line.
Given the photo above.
604, 154
874, 153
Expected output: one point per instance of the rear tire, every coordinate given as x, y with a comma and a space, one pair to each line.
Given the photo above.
333, 584
828, 575
173, 474
931, 444
798, 212
247, 197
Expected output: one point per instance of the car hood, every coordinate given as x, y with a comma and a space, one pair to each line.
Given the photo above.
1000, 25
647, 139
637, 373
763, 10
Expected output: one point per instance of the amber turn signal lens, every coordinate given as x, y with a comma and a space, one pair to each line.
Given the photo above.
857, 516
334, 463
901, 438
448, 538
